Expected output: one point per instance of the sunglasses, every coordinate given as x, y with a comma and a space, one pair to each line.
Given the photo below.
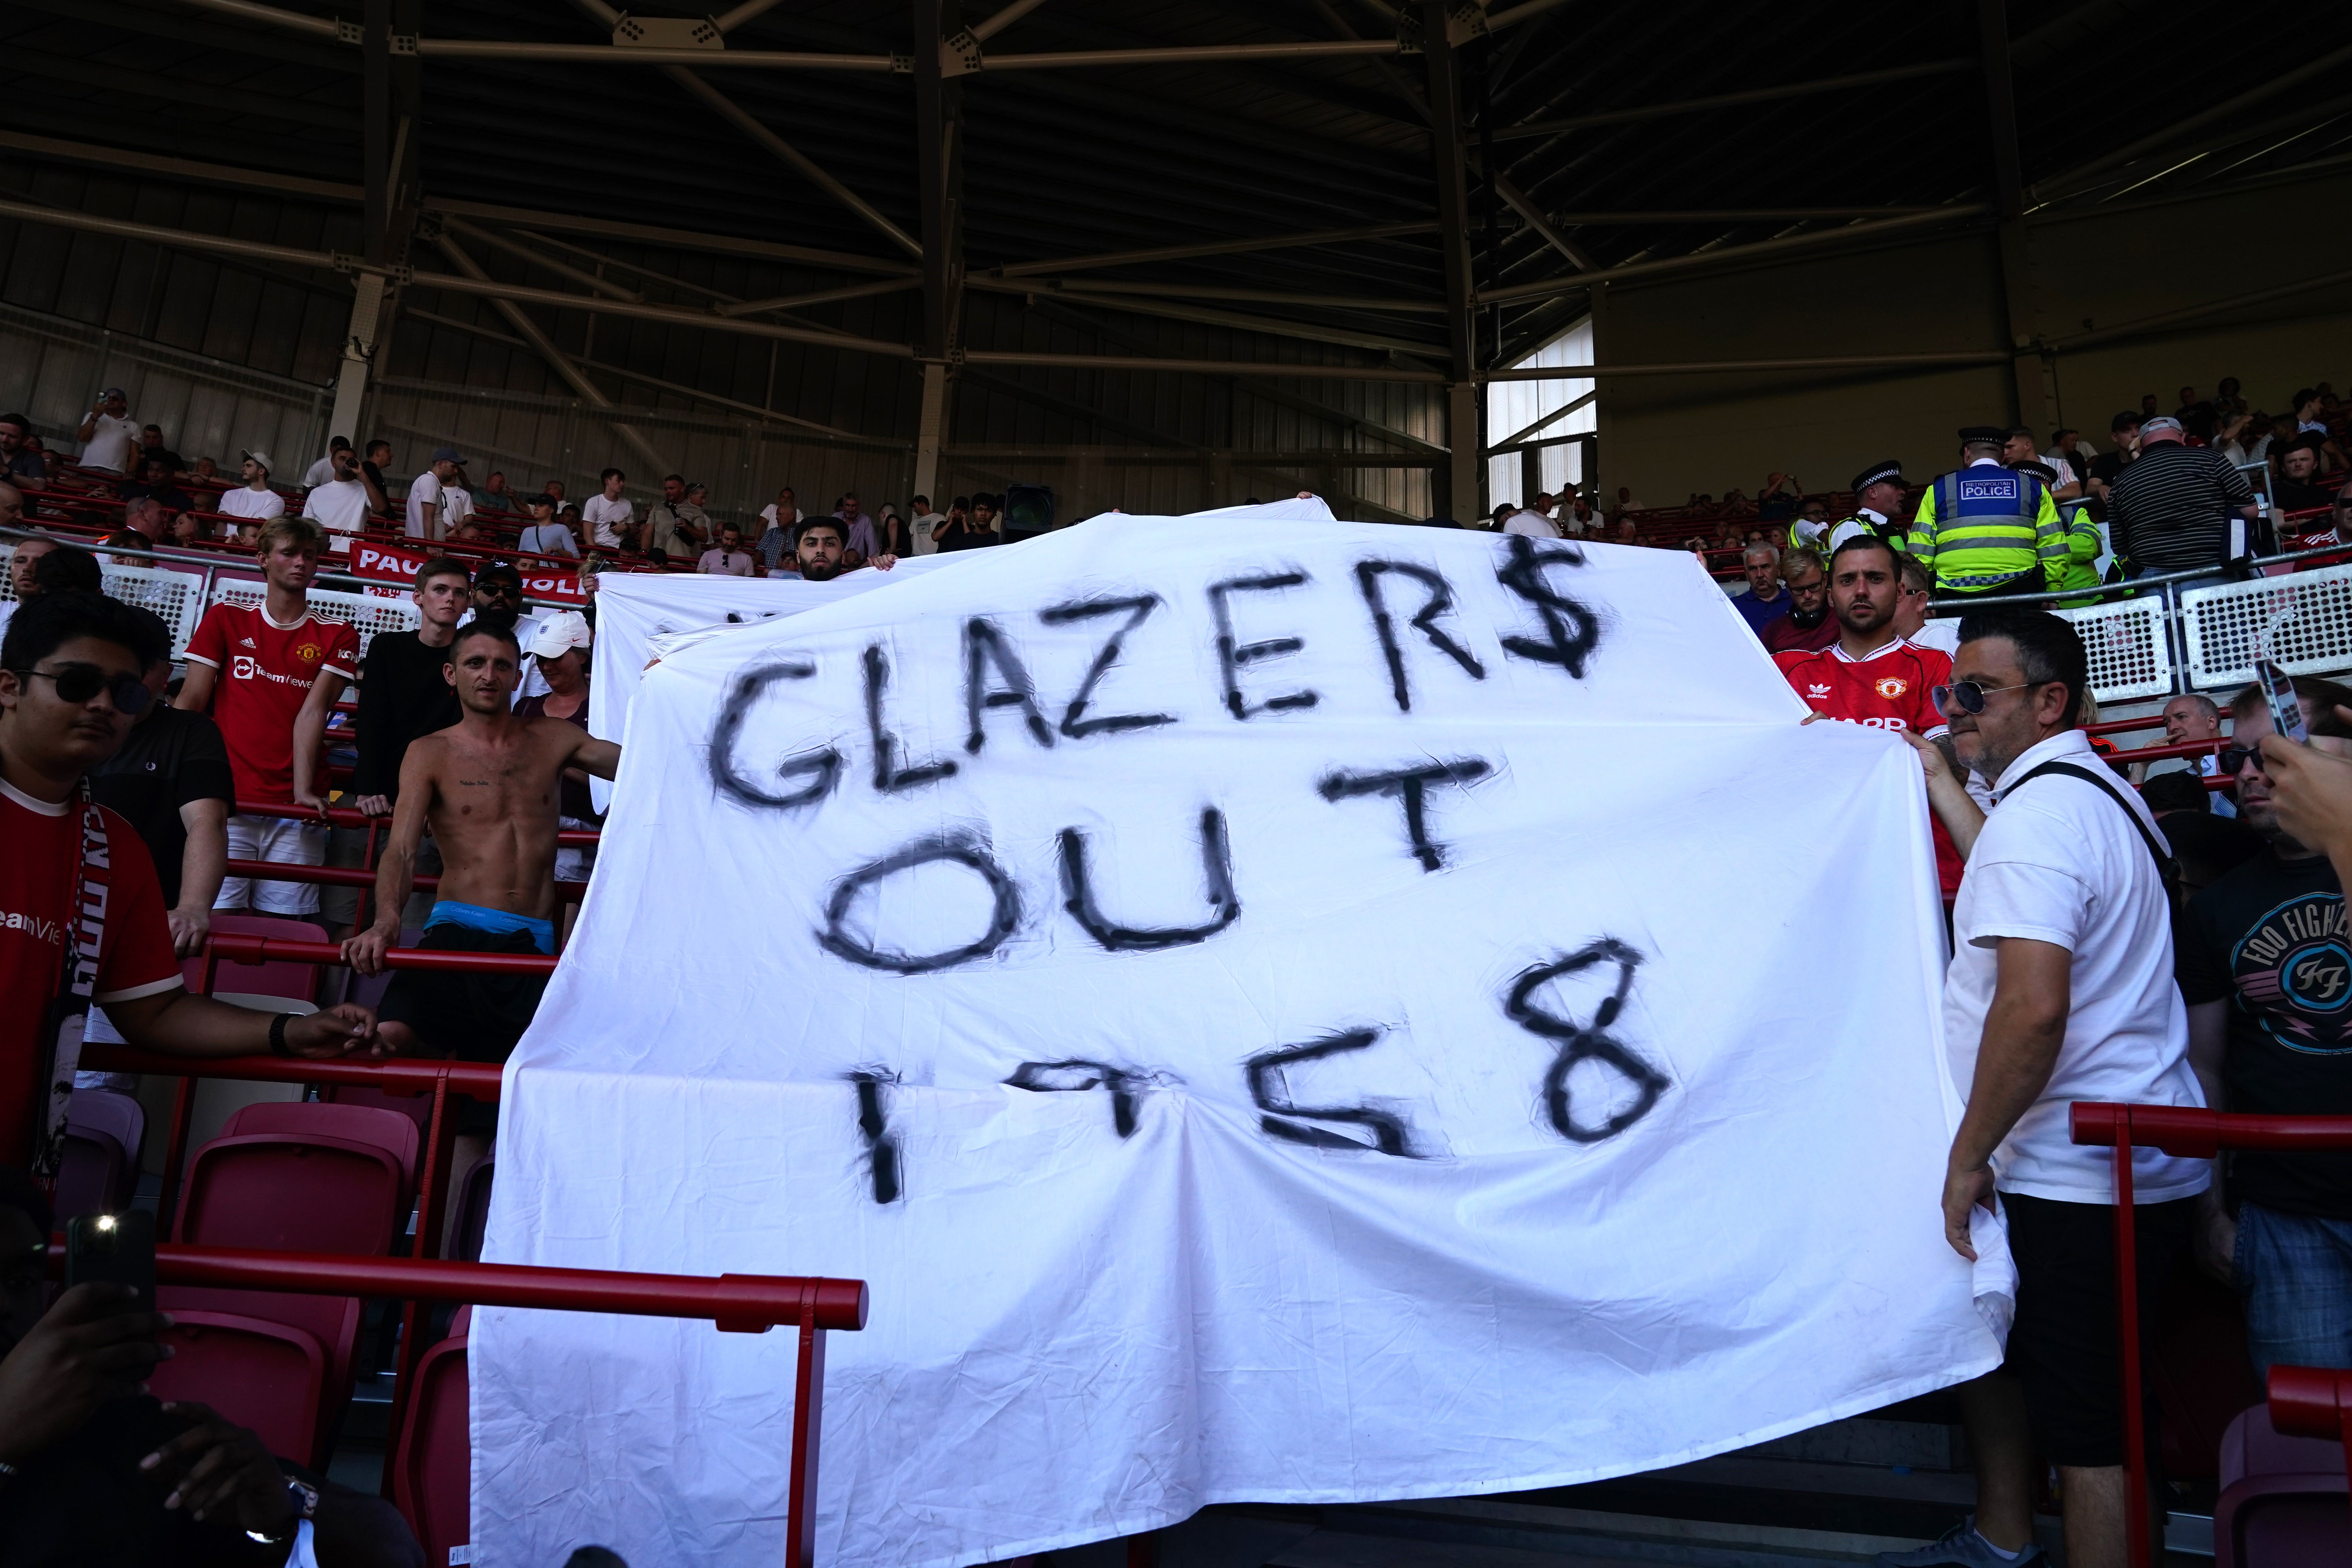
494, 588
1970, 694
2234, 758
78, 683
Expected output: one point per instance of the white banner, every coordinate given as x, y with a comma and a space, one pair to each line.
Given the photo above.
634, 607
1305, 1012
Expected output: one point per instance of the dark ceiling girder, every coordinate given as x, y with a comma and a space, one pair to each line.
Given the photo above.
43, 66
230, 38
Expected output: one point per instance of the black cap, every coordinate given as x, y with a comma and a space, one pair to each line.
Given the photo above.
1887, 468
1979, 435
2042, 471
2127, 420
542, 499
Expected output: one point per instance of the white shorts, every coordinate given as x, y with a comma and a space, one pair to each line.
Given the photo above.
284, 840
572, 864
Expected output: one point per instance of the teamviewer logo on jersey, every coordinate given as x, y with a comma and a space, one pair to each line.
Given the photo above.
2004, 488
243, 667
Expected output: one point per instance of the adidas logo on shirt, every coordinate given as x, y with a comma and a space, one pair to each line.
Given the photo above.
245, 642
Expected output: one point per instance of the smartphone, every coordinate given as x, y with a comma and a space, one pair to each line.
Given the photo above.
2286, 714
119, 1248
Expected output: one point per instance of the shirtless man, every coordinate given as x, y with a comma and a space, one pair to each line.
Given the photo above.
489, 787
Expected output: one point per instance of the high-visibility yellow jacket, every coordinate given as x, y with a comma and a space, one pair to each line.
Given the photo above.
1985, 525
2084, 547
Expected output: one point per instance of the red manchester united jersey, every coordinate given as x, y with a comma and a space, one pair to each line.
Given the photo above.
1889, 689
266, 671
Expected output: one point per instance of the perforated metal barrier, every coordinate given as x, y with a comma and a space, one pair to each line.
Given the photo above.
2313, 637
2126, 640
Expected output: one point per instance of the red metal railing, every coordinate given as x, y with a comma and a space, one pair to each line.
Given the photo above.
735, 1303
2188, 1133
246, 948
354, 877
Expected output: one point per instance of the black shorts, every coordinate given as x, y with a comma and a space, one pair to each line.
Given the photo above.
473, 1017
2065, 1346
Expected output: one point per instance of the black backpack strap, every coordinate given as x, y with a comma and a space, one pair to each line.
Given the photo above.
2165, 867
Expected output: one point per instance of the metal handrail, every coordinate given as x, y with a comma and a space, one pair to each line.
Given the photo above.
2188, 1132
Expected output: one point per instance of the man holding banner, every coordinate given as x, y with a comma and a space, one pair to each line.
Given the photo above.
2060, 990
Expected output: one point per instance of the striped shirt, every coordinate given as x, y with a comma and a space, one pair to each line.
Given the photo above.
2169, 511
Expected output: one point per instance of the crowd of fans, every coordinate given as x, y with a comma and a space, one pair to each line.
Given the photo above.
2064, 908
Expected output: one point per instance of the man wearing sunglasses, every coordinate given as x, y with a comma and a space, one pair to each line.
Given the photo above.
2266, 970
70, 688
2060, 989
498, 595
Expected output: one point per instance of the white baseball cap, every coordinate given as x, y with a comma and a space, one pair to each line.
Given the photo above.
562, 631
262, 458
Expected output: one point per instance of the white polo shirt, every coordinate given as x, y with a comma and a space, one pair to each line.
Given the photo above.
113, 443
605, 519
2056, 863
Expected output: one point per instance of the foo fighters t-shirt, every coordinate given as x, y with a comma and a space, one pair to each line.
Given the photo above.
37, 900
2270, 939
266, 672
1889, 690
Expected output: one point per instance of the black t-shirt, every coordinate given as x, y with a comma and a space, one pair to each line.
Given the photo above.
402, 695
969, 538
2269, 938
2293, 495
170, 758
2106, 466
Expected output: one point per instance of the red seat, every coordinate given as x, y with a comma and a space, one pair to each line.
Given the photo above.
2283, 1502
277, 1183
417, 1108
262, 1374
433, 1458
275, 978
384, 1126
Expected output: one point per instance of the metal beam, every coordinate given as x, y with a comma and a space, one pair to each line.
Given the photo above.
1738, 215
728, 22
1074, 407
1195, 54
182, 239
2048, 189
673, 239
821, 296
726, 110
1465, 475
1110, 291
544, 346
1216, 248
938, 156
1937, 217
624, 373
1730, 99
1292, 369
1562, 412
1003, 18
2031, 375
375, 128
1499, 20
670, 315
1271, 392
181, 168
607, 55
1274, 325
524, 253
1519, 202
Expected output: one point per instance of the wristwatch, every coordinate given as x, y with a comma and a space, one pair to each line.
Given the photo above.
305, 1502
278, 1046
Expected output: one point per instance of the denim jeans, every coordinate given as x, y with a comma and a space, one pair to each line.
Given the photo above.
2296, 1273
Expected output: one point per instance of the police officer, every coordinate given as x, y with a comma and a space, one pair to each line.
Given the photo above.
1877, 499
1984, 530
2085, 544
